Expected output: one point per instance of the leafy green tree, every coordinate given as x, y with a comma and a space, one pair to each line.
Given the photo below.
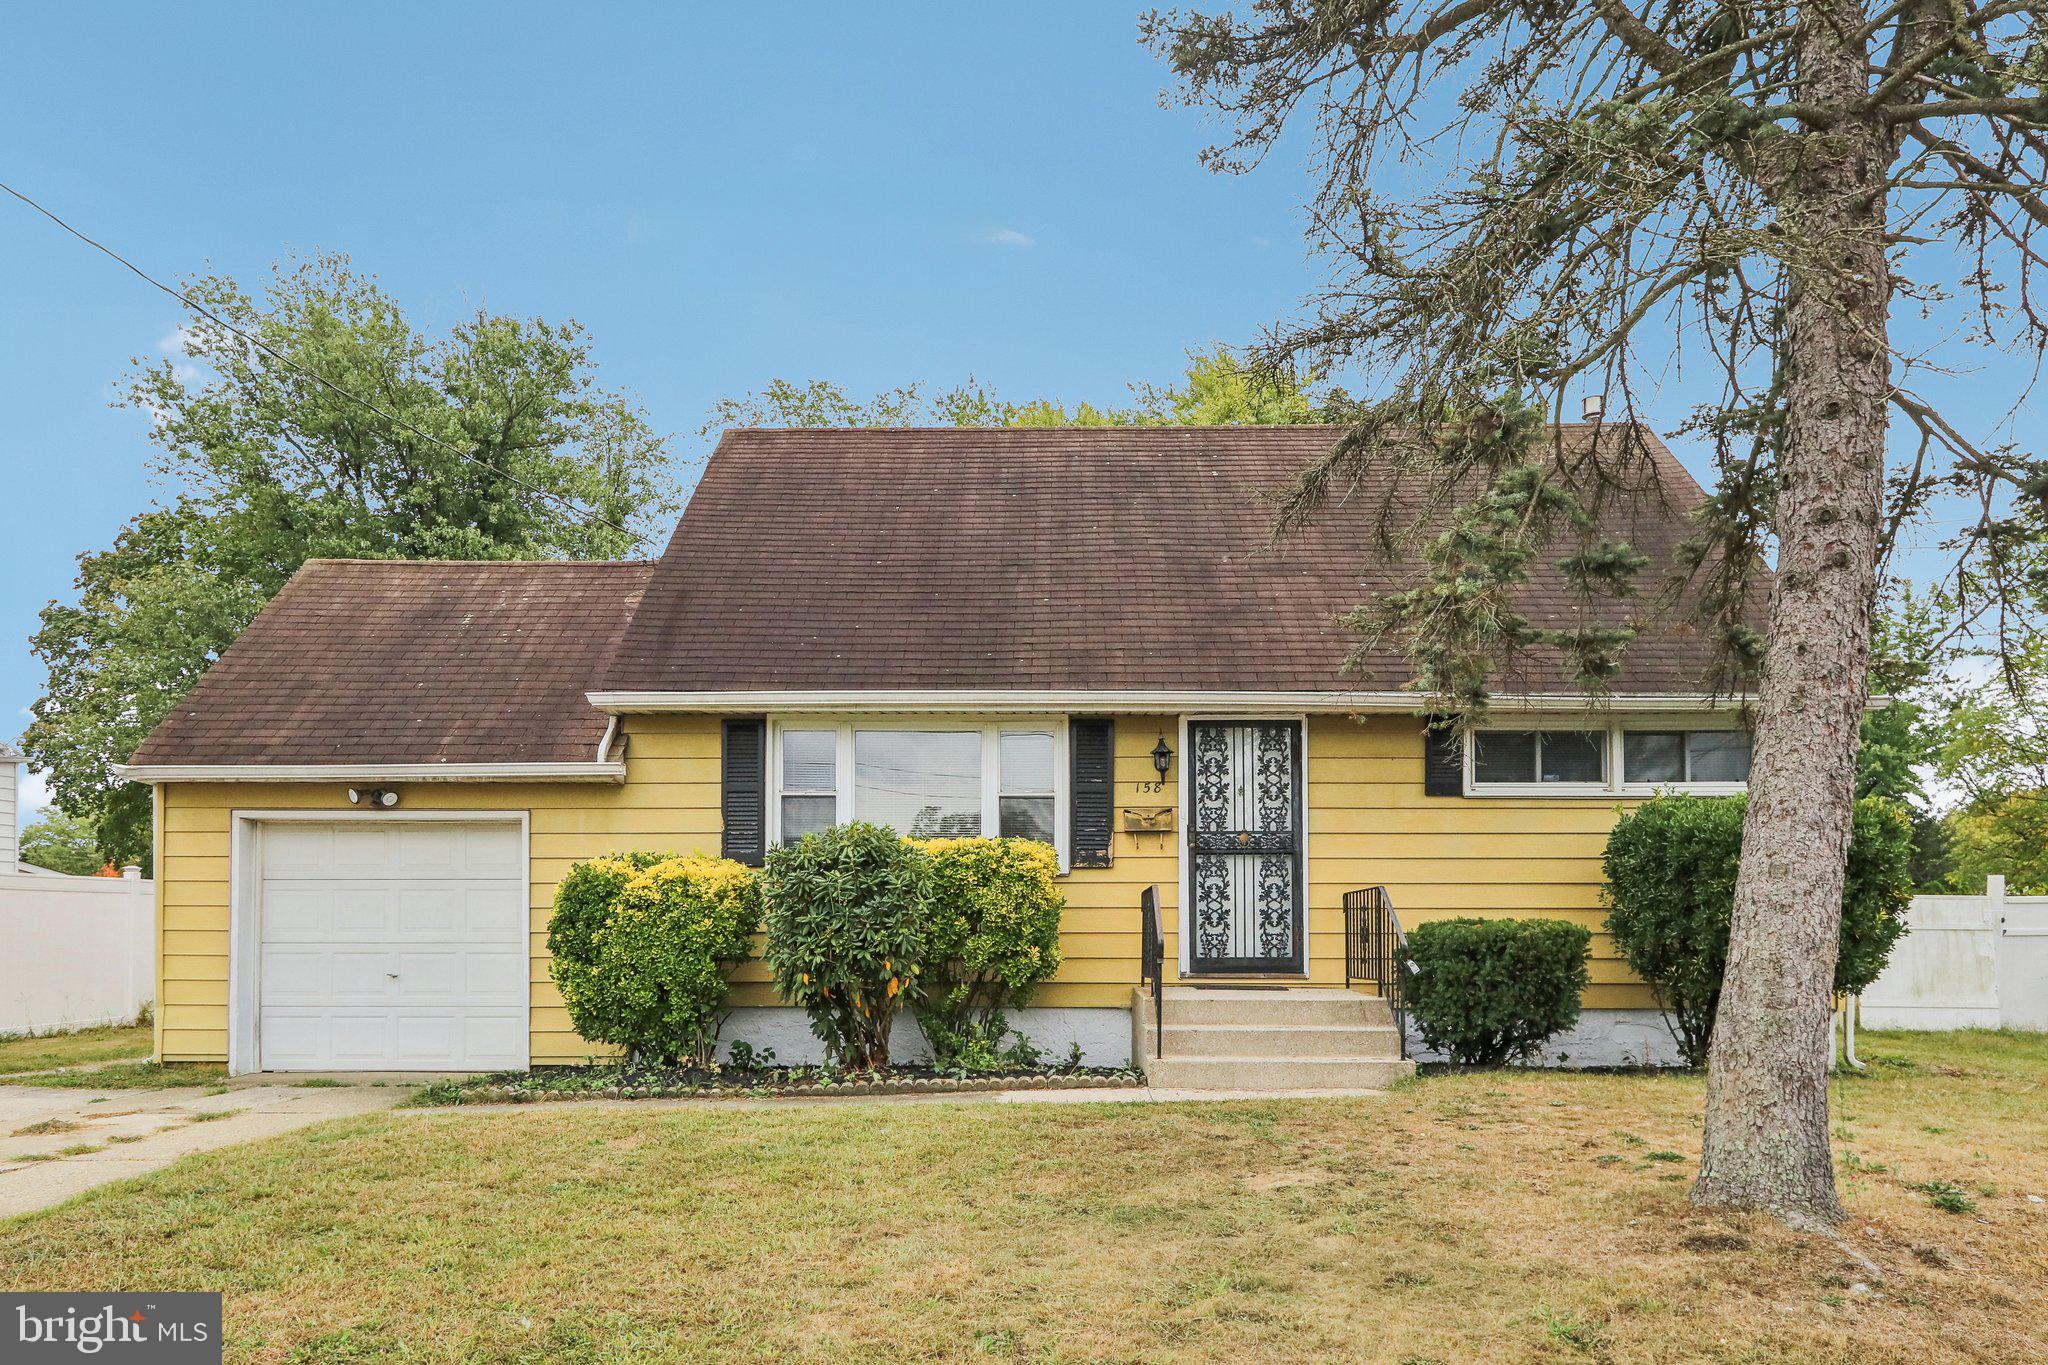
1738, 186
2005, 835
1991, 752
490, 440
62, 843
1218, 389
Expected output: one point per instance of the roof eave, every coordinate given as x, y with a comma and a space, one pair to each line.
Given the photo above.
371, 772
1127, 700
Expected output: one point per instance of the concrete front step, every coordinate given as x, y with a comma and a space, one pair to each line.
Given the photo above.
1308, 1038
1306, 1005
1279, 1040
1274, 1073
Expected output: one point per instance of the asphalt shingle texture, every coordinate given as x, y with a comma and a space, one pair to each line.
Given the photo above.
1072, 559
387, 661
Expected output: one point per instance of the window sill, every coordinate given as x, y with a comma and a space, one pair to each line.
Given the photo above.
1564, 792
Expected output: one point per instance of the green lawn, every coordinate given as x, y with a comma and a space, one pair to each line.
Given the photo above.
1508, 1216
74, 1049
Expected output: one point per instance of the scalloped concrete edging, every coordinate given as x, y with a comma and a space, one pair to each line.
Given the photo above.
934, 1085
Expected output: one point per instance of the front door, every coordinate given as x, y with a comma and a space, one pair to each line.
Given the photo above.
1244, 846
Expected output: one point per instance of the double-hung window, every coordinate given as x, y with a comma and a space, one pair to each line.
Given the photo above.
925, 780
1655, 758
1568, 760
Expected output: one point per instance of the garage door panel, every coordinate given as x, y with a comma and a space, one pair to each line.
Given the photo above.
399, 946
296, 910
389, 909
364, 851
435, 911
295, 972
497, 912
294, 850
492, 852
495, 1040
360, 911
365, 977
495, 978
425, 1037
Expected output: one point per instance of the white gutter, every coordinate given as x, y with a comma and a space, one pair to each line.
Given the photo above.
371, 772
604, 746
1125, 700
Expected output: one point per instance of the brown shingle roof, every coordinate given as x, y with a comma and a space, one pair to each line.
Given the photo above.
1058, 558
386, 661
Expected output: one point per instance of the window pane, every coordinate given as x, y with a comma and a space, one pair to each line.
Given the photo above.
803, 815
1504, 756
1718, 755
1648, 757
809, 760
1574, 755
1027, 817
1027, 763
923, 783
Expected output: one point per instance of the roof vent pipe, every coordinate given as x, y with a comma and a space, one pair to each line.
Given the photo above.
1592, 407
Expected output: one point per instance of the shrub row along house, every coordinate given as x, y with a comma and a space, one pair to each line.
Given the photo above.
1084, 637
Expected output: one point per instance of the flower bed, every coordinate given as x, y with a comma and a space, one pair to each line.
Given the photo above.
617, 1082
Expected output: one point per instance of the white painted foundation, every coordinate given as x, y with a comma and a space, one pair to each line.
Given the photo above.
1602, 1038
1104, 1034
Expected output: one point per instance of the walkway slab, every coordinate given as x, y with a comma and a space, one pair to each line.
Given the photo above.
132, 1132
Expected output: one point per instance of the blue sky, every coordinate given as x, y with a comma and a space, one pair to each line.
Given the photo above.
907, 192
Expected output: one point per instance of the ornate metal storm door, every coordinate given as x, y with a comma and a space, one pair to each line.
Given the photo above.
1244, 846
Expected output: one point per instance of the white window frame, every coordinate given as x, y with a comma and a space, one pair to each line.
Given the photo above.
991, 729
1614, 785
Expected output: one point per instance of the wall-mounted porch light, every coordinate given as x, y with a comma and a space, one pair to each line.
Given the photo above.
1162, 757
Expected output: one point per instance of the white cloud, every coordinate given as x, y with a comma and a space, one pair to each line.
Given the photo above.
178, 341
34, 795
1010, 237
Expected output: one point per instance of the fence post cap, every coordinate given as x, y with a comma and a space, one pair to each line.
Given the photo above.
131, 872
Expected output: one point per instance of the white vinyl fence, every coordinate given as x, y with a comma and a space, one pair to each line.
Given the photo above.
1966, 962
74, 951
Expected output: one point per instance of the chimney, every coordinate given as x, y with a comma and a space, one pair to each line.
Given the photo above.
1592, 407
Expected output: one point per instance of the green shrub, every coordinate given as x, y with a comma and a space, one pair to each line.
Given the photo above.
584, 901
846, 913
1671, 866
992, 934
1490, 991
641, 945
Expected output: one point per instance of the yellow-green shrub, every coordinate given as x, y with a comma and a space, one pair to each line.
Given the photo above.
640, 947
992, 934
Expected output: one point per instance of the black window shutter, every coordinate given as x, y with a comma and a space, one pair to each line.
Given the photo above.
742, 782
1092, 742
1443, 758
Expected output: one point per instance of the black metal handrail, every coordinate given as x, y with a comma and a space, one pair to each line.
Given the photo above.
1376, 950
1152, 963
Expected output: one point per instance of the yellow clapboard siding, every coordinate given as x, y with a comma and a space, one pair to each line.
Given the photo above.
1450, 817
183, 992
1368, 821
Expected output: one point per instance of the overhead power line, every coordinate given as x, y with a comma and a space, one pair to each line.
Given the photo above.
568, 504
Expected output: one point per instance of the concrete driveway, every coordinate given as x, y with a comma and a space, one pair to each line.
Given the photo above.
57, 1143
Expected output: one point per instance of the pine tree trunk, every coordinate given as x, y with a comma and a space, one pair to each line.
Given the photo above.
1766, 1141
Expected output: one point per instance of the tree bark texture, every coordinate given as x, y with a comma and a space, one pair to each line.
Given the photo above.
1766, 1141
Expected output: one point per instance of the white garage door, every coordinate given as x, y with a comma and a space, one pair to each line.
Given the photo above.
398, 946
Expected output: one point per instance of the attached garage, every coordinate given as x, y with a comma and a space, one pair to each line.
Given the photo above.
381, 943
